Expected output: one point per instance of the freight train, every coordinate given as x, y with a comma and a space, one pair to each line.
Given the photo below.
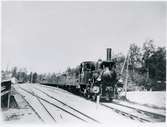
92, 79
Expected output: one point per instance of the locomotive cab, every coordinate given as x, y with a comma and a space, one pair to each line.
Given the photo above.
85, 76
86, 69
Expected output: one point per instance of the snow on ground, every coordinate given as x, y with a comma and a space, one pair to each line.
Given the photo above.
154, 125
100, 113
22, 114
148, 98
106, 116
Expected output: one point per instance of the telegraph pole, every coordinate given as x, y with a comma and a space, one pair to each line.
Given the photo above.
127, 75
124, 64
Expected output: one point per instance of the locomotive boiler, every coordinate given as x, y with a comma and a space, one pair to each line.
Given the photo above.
93, 79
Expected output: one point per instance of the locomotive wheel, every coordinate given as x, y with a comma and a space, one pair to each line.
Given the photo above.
110, 99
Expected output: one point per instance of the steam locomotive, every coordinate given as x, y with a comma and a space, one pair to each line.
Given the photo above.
92, 79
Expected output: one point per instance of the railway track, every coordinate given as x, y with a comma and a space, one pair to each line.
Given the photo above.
135, 113
38, 115
142, 111
45, 108
79, 115
131, 116
94, 120
34, 109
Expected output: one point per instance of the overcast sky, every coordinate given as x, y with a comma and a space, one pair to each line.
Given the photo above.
50, 36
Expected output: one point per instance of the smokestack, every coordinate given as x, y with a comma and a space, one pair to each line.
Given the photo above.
108, 54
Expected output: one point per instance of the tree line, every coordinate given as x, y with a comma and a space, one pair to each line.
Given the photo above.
22, 75
147, 66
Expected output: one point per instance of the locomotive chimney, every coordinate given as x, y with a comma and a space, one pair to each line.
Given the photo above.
108, 54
